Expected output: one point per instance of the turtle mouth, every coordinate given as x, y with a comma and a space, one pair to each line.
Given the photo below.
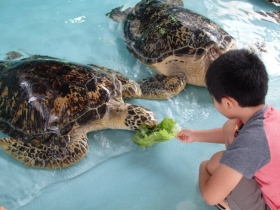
151, 123
151, 126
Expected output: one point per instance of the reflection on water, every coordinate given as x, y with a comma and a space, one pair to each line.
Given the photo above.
80, 31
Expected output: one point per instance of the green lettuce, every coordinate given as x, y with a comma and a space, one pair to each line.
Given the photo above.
164, 131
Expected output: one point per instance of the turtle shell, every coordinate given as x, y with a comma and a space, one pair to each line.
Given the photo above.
155, 30
48, 97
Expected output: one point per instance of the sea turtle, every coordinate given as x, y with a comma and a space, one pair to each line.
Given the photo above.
275, 2
48, 105
177, 43
272, 16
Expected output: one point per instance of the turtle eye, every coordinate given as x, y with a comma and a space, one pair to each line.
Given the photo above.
214, 52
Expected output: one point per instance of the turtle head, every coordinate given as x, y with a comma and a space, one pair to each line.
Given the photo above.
130, 117
215, 49
119, 14
138, 115
174, 2
143, 3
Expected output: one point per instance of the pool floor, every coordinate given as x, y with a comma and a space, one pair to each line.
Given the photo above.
116, 173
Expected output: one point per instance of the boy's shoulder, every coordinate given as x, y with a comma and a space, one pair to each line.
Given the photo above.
268, 112
271, 108
271, 120
268, 117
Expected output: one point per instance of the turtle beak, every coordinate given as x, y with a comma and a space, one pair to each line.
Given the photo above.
151, 121
151, 126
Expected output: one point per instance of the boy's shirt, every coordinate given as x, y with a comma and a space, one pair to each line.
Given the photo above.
255, 152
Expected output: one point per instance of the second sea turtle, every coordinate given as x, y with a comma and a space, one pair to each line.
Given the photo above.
177, 43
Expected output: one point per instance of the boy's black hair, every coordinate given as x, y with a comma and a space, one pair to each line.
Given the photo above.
239, 74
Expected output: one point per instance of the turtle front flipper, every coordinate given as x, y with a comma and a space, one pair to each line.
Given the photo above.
118, 15
130, 88
51, 155
162, 87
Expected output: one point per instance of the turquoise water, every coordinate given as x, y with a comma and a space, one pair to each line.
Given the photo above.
117, 174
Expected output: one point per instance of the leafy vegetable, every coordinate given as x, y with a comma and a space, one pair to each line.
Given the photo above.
164, 131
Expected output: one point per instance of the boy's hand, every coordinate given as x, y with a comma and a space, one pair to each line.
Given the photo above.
185, 136
2, 208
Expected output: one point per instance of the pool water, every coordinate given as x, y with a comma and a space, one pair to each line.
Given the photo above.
116, 173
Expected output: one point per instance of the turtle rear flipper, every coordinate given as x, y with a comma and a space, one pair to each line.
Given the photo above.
118, 15
48, 156
162, 87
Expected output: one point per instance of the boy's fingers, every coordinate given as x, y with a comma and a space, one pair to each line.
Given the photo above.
182, 138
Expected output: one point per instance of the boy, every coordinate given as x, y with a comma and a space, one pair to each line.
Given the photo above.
247, 174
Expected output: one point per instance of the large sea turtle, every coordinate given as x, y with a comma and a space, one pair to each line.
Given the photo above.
275, 2
177, 43
48, 105
272, 16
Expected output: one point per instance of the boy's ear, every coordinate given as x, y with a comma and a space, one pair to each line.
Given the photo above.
229, 102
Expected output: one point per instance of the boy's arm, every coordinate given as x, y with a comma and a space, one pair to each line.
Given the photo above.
216, 187
211, 136
224, 135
